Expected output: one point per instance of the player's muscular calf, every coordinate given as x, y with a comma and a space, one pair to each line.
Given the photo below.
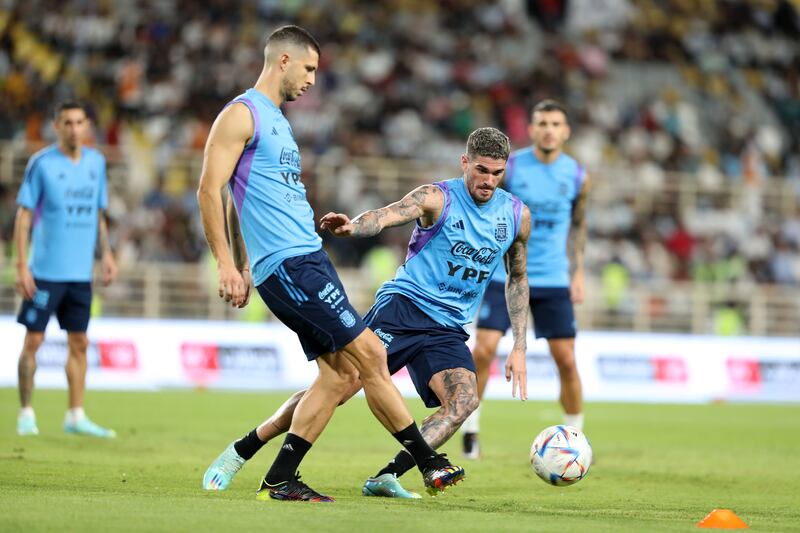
457, 389
27, 366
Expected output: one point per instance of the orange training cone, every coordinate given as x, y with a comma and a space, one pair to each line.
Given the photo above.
722, 519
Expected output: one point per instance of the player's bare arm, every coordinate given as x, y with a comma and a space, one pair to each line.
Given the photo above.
577, 241
22, 231
424, 203
517, 298
238, 249
226, 142
107, 262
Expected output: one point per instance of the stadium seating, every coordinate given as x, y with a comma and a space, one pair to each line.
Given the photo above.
689, 124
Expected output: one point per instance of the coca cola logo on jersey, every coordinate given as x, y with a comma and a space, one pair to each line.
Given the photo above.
483, 256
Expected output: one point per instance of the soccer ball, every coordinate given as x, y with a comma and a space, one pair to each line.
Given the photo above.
561, 455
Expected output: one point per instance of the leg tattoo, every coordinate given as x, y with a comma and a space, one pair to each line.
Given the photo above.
457, 389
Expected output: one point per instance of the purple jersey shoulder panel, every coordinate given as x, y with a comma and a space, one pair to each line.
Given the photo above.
423, 236
241, 173
517, 213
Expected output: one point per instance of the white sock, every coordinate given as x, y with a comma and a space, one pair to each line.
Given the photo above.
75, 413
27, 411
473, 422
574, 420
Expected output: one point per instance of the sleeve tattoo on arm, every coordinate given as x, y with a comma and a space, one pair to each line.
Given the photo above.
517, 291
103, 245
578, 231
414, 205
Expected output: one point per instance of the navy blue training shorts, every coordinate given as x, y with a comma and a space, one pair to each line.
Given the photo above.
416, 341
305, 293
553, 314
71, 301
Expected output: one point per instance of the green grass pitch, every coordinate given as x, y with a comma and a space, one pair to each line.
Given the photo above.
659, 468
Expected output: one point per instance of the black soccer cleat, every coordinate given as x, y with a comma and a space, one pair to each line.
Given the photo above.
292, 490
439, 473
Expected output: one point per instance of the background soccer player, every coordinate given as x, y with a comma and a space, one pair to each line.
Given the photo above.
252, 149
465, 227
554, 187
63, 196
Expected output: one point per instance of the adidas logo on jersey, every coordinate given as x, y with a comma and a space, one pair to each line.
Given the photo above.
459, 224
274, 131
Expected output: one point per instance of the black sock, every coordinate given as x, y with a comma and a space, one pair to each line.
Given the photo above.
402, 463
248, 445
289, 457
412, 441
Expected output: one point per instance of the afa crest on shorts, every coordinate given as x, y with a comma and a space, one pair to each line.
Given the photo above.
347, 318
501, 232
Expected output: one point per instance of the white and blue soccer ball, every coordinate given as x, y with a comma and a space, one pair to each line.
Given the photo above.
561, 455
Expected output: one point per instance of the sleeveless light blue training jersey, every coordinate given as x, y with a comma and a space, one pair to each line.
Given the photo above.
449, 264
65, 198
549, 191
276, 219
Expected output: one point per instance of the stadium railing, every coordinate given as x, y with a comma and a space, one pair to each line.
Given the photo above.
159, 290
390, 178
187, 291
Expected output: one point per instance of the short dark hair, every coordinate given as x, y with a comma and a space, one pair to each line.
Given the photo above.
551, 105
293, 35
68, 104
488, 142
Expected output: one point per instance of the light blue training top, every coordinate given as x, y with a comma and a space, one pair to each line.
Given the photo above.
449, 264
65, 198
549, 191
275, 217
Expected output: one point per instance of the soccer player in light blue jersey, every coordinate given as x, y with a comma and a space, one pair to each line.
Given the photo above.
465, 229
554, 187
63, 197
251, 149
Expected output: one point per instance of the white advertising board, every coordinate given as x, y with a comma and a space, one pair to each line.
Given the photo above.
149, 354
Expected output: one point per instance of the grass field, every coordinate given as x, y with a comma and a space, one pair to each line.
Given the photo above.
659, 468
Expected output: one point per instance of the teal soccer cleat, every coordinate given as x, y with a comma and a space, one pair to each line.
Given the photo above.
388, 486
84, 426
221, 472
26, 425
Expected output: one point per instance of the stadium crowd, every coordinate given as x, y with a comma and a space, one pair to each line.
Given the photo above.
709, 94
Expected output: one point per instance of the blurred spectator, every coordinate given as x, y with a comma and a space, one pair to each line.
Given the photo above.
8, 210
669, 92
681, 244
728, 320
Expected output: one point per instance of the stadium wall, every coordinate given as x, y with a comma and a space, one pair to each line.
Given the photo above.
636, 367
